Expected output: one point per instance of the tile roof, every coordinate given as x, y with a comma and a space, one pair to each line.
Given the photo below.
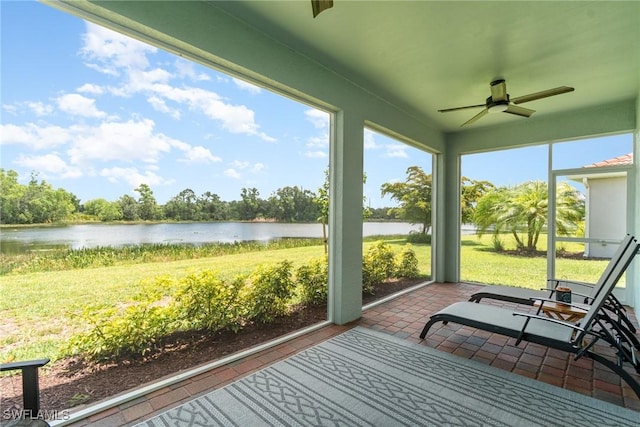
627, 159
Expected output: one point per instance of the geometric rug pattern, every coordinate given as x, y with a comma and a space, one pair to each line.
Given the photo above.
367, 378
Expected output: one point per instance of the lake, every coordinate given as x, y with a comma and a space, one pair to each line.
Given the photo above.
24, 239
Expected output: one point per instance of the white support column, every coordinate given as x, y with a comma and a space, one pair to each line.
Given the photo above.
345, 218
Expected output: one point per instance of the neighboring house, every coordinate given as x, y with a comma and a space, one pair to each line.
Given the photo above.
605, 205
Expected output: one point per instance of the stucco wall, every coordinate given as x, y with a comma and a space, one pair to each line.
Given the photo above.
606, 214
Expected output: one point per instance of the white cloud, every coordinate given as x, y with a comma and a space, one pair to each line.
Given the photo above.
246, 86
318, 145
112, 51
133, 176
91, 88
124, 141
318, 118
34, 136
140, 80
11, 109
320, 141
199, 154
78, 105
255, 168
49, 164
160, 105
396, 150
234, 118
316, 154
266, 137
187, 69
232, 173
40, 109
240, 165
370, 140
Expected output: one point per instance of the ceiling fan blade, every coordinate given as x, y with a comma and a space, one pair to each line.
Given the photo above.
447, 110
543, 94
498, 90
476, 117
320, 5
519, 111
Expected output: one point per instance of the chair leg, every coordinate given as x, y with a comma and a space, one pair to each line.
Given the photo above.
427, 327
30, 390
618, 370
30, 386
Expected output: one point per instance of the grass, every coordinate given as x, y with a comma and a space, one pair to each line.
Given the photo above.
104, 256
481, 264
37, 307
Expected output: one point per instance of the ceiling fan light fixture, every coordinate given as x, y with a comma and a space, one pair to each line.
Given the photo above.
500, 107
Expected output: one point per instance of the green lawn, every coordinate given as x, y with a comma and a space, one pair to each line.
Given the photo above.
480, 263
36, 308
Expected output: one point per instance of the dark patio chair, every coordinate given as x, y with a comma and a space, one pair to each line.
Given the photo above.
576, 338
30, 392
584, 291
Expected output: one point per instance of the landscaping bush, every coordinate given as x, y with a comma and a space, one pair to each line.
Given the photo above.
382, 255
268, 291
122, 332
378, 264
497, 243
313, 279
417, 238
407, 263
204, 301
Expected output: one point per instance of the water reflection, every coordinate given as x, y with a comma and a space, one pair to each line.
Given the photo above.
18, 240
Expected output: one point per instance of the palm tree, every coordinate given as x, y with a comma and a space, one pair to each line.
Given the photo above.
523, 209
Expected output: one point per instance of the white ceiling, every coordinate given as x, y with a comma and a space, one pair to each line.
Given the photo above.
425, 56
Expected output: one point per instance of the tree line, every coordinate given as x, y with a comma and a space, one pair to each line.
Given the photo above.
520, 210
39, 203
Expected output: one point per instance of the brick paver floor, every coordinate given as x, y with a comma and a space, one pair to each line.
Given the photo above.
403, 317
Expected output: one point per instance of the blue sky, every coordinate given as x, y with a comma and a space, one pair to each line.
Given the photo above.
98, 114
512, 167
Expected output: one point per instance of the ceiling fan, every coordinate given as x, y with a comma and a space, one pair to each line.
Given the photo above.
499, 101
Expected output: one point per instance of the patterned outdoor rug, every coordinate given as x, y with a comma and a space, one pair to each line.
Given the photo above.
368, 378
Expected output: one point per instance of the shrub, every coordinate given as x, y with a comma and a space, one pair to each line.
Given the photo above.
407, 264
383, 257
121, 332
378, 264
313, 279
417, 238
371, 275
204, 301
498, 244
268, 292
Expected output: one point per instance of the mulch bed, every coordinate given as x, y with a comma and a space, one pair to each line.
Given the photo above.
71, 382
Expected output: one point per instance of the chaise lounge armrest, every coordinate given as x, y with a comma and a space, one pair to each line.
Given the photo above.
23, 364
552, 290
579, 306
572, 282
